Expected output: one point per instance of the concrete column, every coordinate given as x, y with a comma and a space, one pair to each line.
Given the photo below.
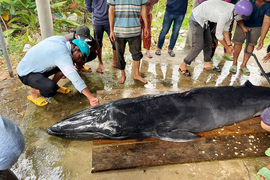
45, 18
188, 44
5, 52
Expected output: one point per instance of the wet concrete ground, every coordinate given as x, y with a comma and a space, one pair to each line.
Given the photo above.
48, 157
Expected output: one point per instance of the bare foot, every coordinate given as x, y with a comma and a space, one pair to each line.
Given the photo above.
113, 64
148, 55
122, 80
100, 68
139, 78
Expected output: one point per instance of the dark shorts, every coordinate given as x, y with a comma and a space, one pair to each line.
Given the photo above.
40, 81
134, 48
98, 33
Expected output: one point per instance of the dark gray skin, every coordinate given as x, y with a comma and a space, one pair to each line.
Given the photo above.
172, 117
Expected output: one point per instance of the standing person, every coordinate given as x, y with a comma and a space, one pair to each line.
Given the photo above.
219, 12
175, 13
83, 32
147, 40
11, 147
258, 25
124, 17
100, 20
54, 55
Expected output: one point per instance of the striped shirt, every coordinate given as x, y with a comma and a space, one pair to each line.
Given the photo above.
127, 17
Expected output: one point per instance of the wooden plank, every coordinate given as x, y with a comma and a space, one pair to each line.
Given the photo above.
162, 152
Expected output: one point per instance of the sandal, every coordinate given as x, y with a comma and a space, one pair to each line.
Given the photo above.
265, 173
228, 57
41, 101
171, 53
86, 69
267, 152
245, 71
158, 52
185, 72
233, 69
63, 90
214, 69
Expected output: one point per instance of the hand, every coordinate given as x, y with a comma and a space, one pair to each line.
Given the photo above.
94, 102
230, 50
146, 32
266, 58
112, 36
245, 30
260, 45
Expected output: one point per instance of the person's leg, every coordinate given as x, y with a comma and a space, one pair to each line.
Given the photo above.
238, 40
214, 38
136, 52
175, 31
197, 44
120, 44
207, 51
7, 175
147, 40
167, 22
114, 61
98, 32
254, 36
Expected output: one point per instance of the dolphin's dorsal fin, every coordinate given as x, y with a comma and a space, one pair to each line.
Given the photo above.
248, 84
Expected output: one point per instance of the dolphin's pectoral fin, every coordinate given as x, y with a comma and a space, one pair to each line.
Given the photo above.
177, 136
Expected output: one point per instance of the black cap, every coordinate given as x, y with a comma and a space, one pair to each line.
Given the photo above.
83, 32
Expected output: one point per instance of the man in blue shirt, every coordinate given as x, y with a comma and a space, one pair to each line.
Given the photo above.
174, 14
258, 25
125, 26
54, 55
100, 20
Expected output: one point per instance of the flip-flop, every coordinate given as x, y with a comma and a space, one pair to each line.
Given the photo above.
41, 101
245, 71
233, 69
185, 72
214, 69
158, 52
267, 152
228, 57
63, 90
264, 172
86, 69
171, 53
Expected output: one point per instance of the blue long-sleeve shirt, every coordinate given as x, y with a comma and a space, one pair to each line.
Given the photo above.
99, 10
11, 143
52, 52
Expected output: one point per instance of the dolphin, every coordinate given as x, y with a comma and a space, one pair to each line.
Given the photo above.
173, 117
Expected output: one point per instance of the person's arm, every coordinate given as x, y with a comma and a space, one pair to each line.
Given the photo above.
223, 28
243, 27
144, 17
266, 58
264, 30
93, 101
111, 21
88, 4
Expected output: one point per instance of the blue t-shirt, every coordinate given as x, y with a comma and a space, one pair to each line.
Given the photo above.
256, 19
99, 10
177, 7
127, 17
52, 52
11, 143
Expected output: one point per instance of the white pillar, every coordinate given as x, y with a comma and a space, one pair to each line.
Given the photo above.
45, 18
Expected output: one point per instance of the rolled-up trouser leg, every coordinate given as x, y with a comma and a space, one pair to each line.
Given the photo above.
120, 44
